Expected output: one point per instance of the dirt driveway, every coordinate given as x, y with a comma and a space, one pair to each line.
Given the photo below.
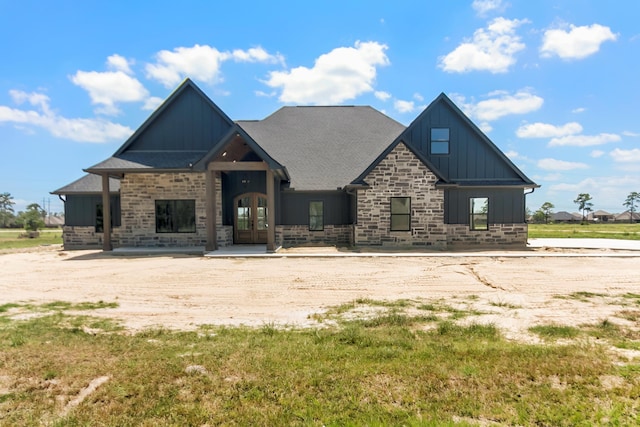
183, 292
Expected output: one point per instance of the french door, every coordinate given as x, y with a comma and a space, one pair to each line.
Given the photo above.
250, 218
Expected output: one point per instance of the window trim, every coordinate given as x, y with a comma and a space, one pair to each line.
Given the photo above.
473, 215
392, 214
175, 224
320, 216
433, 140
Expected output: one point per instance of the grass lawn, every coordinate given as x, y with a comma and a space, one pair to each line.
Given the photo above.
389, 369
10, 238
616, 230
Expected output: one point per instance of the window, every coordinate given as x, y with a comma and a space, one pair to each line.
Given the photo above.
175, 216
400, 213
479, 213
439, 140
99, 219
316, 216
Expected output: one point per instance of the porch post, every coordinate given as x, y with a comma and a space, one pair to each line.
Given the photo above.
106, 214
211, 209
271, 213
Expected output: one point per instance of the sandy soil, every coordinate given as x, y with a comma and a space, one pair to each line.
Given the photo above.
183, 292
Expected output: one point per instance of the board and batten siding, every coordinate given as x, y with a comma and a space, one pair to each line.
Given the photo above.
506, 206
470, 156
80, 210
295, 207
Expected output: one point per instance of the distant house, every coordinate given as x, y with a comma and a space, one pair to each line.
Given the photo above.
626, 216
338, 175
600, 216
564, 216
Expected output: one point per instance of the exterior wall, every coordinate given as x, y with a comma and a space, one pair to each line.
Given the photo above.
138, 193
300, 235
497, 236
81, 237
401, 174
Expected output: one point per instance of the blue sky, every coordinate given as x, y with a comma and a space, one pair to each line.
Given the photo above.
553, 83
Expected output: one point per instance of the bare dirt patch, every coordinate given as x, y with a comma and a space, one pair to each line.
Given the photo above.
183, 292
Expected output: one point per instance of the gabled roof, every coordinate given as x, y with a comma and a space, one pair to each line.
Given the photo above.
152, 145
324, 148
515, 176
88, 184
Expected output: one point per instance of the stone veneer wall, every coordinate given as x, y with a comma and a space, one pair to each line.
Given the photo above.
81, 237
138, 193
497, 235
300, 235
401, 174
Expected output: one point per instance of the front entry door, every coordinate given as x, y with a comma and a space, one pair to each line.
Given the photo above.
250, 218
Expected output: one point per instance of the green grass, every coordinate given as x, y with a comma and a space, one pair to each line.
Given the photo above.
397, 370
10, 239
623, 231
555, 331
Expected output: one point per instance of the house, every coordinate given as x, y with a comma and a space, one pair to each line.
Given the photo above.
321, 175
564, 216
627, 216
600, 216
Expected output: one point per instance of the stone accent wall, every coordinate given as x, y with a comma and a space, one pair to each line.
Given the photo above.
138, 193
497, 236
224, 235
401, 174
81, 237
300, 235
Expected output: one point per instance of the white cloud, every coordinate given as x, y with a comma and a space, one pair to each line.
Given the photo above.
78, 129
577, 43
119, 63
578, 110
110, 87
152, 103
257, 54
337, 76
404, 106
584, 140
201, 62
492, 49
560, 165
511, 154
502, 104
482, 7
418, 97
485, 127
596, 154
381, 95
626, 156
545, 130
629, 133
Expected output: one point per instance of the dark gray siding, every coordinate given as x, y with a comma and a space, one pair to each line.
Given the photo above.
80, 210
294, 207
190, 123
506, 206
470, 156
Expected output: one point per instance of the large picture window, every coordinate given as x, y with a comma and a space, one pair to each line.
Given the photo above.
175, 216
400, 213
316, 216
479, 213
439, 141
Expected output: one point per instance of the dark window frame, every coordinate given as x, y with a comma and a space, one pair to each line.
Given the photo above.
392, 224
99, 223
175, 216
313, 218
475, 217
439, 141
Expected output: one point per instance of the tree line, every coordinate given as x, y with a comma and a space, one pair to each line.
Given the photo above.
585, 205
32, 219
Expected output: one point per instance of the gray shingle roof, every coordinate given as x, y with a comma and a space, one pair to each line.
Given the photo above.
148, 160
88, 184
324, 148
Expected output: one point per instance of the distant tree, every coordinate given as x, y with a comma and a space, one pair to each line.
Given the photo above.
32, 219
538, 217
631, 203
584, 204
547, 211
6, 209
